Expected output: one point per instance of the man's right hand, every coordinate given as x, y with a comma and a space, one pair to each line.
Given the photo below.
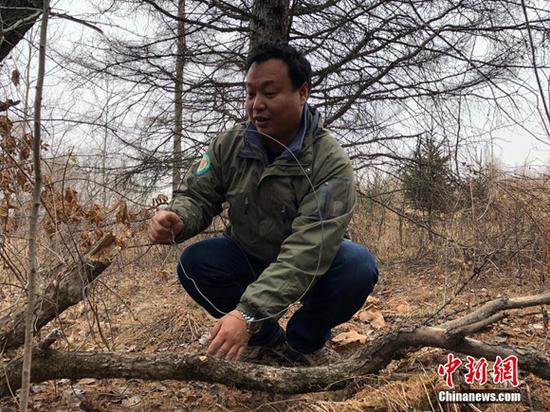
164, 227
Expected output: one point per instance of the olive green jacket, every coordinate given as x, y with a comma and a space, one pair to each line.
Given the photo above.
292, 215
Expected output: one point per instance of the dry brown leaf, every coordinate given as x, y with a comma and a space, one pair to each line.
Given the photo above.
373, 316
403, 308
122, 214
95, 214
351, 326
160, 200
372, 299
5, 126
347, 338
88, 381
9, 144
4, 211
131, 402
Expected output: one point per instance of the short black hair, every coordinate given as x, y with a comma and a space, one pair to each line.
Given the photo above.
299, 68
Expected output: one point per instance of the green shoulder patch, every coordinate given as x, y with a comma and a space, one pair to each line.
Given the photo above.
204, 165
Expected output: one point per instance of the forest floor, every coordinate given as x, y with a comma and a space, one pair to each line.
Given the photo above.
141, 308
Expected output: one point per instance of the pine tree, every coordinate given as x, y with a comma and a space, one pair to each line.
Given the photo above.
427, 180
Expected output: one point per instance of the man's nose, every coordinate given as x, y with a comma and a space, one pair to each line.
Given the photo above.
259, 102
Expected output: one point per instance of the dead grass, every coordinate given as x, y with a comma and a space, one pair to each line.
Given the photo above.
138, 305
148, 311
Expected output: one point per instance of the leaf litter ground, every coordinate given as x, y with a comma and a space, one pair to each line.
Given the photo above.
138, 306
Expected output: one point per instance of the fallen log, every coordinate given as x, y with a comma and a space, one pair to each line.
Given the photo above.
67, 290
52, 364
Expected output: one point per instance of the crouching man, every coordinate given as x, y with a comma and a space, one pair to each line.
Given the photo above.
290, 189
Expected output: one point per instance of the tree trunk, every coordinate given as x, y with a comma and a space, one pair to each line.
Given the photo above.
33, 222
178, 101
17, 17
270, 21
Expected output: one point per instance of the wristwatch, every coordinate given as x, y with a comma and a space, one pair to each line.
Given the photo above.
253, 325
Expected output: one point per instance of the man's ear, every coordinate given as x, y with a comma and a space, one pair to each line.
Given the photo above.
304, 92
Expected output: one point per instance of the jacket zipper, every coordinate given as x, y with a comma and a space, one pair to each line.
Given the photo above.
246, 205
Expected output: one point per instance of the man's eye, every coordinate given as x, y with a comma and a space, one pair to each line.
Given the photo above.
270, 94
250, 94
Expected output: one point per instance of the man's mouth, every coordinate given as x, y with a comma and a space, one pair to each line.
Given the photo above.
261, 121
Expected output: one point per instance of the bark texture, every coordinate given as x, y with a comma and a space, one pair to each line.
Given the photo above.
16, 18
178, 98
33, 221
270, 21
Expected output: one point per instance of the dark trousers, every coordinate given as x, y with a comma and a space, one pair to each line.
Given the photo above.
218, 272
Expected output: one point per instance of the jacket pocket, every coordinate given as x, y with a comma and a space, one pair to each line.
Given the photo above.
334, 197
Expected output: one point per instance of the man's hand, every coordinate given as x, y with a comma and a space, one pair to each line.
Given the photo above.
164, 227
229, 337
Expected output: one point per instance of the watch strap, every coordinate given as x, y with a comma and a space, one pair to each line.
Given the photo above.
253, 325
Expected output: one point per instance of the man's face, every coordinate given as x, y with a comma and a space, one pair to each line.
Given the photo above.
272, 103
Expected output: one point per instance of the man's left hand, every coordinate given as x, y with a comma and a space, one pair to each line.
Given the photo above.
229, 337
